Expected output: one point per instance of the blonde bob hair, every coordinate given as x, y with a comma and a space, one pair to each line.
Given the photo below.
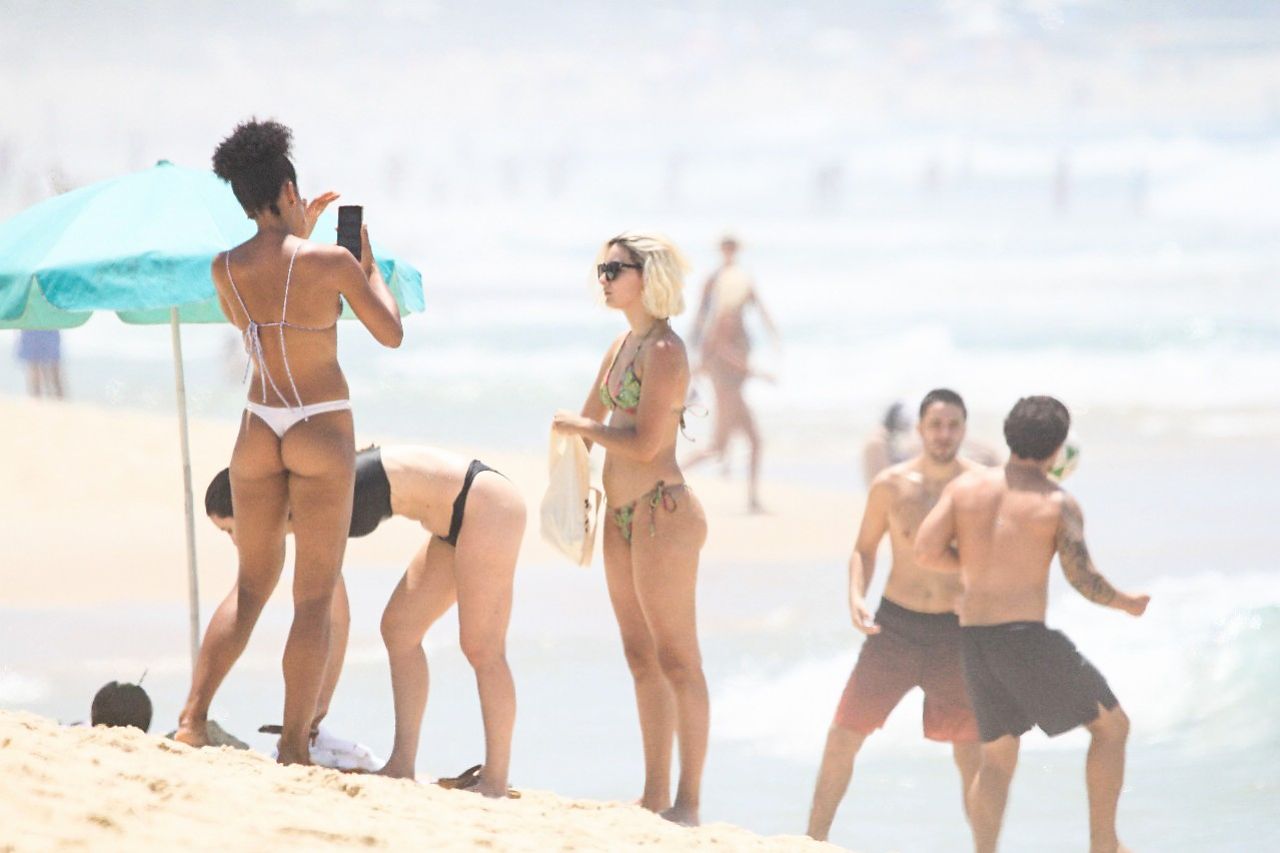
663, 273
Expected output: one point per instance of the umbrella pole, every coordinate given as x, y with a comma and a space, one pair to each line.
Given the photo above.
193, 587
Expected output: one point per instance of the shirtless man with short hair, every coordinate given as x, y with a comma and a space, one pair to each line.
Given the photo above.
914, 639
999, 529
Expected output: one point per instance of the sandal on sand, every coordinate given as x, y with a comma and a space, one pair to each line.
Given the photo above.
272, 729
468, 779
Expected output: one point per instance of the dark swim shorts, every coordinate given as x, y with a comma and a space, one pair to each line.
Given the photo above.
912, 650
1022, 674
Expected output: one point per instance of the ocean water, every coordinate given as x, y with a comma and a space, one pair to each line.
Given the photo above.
1138, 285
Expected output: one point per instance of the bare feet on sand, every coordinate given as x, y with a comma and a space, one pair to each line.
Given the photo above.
193, 734
682, 815
655, 805
301, 759
490, 790
293, 755
395, 771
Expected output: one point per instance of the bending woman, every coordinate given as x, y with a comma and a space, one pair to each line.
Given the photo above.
295, 453
657, 526
476, 521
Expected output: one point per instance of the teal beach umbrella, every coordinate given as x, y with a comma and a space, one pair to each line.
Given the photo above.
141, 245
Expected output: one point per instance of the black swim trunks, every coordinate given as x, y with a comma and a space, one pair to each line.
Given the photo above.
912, 650
1021, 674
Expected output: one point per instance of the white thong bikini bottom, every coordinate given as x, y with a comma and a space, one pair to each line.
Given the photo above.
282, 418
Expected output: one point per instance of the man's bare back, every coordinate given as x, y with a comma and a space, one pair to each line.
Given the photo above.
1007, 524
999, 530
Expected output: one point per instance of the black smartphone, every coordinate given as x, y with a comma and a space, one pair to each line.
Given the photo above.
349, 219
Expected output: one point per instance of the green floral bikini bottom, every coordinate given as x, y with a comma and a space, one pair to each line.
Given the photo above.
660, 496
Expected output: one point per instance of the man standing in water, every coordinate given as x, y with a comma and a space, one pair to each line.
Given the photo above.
999, 529
914, 639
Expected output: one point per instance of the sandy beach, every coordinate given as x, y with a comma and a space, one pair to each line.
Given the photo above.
117, 789
91, 502
92, 505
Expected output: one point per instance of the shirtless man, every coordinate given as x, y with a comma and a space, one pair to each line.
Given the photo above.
914, 639
999, 529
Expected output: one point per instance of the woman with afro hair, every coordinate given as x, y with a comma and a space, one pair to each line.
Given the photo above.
294, 457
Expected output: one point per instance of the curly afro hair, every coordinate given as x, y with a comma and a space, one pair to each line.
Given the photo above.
254, 159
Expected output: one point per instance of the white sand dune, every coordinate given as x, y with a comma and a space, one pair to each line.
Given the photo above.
119, 789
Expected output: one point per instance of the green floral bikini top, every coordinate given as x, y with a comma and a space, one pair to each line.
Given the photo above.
628, 396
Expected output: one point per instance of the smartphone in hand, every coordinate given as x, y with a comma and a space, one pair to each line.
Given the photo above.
350, 217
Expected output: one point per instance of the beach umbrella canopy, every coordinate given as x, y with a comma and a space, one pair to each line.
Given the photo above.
141, 245
137, 245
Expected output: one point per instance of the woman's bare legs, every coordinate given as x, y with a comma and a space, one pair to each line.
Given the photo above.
654, 699
484, 570
722, 429
665, 570
733, 415
339, 633
746, 422
423, 595
320, 455
259, 484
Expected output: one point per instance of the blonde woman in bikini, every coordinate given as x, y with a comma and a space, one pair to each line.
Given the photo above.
656, 527
295, 454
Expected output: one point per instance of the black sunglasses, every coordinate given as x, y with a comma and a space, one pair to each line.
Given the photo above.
613, 269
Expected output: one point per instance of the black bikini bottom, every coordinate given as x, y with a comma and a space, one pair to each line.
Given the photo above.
460, 502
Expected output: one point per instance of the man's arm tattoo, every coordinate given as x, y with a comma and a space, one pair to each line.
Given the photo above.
1076, 565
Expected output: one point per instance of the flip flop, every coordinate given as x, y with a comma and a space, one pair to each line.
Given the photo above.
272, 729
468, 779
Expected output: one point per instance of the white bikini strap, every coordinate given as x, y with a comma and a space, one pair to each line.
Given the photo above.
234, 289
284, 317
284, 309
253, 341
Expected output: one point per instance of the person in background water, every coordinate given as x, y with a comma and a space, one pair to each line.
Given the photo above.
890, 443
725, 354
656, 527
40, 351
999, 529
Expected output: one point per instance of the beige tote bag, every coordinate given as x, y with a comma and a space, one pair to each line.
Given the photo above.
571, 506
